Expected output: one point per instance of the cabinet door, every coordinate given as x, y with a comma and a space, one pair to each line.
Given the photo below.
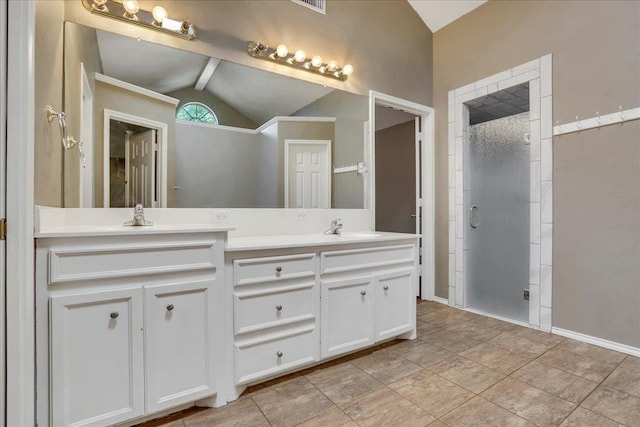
96, 358
346, 315
180, 365
395, 303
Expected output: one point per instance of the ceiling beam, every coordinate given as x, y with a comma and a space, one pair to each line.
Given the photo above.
208, 71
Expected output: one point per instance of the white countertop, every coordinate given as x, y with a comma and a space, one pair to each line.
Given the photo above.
236, 244
121, 230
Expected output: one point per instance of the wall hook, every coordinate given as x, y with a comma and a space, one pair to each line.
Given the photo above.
621, 112
579, 123
559, 126
599, 119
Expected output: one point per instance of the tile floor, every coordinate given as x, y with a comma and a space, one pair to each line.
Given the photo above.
463, 370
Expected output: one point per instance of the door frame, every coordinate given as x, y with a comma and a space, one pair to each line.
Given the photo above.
425, 176
162, 130
538, 73
20, 294
287, 146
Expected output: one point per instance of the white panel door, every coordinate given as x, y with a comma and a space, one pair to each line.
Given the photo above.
141, 168
179, 352
346, 315
308, 174
97, 372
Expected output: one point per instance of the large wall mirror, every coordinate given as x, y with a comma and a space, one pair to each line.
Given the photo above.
171, 128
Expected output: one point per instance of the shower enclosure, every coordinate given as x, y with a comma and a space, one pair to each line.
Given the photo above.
497, 212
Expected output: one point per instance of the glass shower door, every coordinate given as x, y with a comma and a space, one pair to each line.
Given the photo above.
497, 213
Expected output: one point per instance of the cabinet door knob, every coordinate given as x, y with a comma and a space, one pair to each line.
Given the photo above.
363, 293
170, 307
278, 269
385, 287
278, 307
279, 354
114, 315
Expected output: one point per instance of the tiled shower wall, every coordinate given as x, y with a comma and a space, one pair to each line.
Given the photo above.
539, 75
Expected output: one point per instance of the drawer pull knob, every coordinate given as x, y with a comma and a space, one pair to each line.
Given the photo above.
279, 307
386, 288
114, 315
279, 354
278, 269
363, 293
170, 307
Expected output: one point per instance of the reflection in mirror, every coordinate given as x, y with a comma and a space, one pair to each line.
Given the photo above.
275, 144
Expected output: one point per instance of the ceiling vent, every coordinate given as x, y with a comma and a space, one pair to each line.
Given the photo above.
317, 5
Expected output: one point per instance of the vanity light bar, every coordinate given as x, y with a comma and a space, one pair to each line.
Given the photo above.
129, 11
299, 60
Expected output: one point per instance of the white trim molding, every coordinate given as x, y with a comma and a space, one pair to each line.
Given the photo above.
611, 345
440, 300
20, 399
427, 180
136, 89
538, 73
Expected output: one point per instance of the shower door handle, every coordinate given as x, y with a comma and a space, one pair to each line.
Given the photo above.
472, 223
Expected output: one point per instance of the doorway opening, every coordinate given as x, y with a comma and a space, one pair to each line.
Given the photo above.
402, 179
135, 161
537, 75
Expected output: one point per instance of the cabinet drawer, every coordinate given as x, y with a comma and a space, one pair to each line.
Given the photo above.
272, 307
259, 359
355, 259
260, 270
70, 264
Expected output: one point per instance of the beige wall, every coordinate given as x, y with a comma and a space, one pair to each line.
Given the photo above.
124, 101
48, 91
596, 67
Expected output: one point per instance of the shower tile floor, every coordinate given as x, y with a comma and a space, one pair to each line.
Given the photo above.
463, 370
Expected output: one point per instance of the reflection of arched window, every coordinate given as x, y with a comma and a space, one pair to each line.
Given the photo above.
197, 112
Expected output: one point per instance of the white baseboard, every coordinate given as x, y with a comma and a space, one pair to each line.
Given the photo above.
440, 300
622, 348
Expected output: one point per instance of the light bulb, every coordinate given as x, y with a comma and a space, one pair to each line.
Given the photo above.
131, 7
347, 70
332, 66
282, 51
300, 56
100, 5
316, 61
159, 13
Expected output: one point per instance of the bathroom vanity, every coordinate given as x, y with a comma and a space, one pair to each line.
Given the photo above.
137, 322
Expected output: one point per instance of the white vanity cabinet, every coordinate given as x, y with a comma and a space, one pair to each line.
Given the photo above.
275, 315
368, 295
295, 305
131, 325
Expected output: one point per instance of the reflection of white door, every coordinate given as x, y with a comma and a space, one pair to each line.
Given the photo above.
307, 174
140, 172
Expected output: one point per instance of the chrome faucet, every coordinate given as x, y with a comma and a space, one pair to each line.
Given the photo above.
138, 217
335, 227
